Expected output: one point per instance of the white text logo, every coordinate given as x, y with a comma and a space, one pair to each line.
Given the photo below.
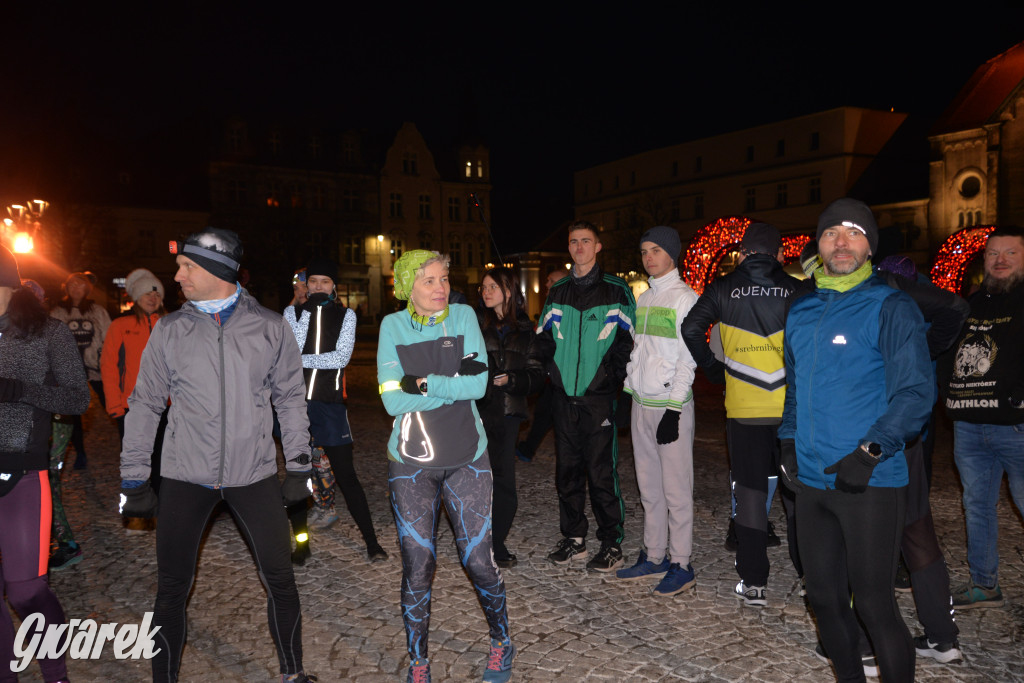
81, 639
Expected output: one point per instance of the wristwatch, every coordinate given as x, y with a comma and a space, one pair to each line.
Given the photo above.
423, 385
872, 449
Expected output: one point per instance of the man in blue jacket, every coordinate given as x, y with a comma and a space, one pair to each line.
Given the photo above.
859, 386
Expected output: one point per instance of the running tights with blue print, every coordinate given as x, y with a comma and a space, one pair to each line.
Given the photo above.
416, 497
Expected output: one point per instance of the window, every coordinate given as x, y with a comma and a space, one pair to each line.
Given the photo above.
674, 210
425, 213
237, 192
750, 153
454, 209
698, 206
698, 164
815, 141
426, 241
395, 205
348, 151
397, 248
409, 165
780, 148
977, 217
970, 187
314, 146
275, 142
317, 197
352, 250
349, 200
960, 223
781, 195
469, 169
814, 191
675, 168
479, 169
274, 194
750, 204
455, 250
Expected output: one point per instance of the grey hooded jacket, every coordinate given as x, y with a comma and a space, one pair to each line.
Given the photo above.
221, 381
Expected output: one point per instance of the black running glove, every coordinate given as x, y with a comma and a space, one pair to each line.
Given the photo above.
788, 466
297, 487
138, 501
409, 385
470, 367
668, 428
10, 390
854, 471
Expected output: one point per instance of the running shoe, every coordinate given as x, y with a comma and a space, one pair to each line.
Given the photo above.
643, 568
499, 662
566, 550
946, 653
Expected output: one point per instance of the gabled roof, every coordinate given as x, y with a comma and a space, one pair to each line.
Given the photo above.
984, 95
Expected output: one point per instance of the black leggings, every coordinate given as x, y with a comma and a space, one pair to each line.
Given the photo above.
355, 498
850, 542
184, 512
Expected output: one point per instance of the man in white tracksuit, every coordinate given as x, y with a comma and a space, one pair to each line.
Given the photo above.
659, 380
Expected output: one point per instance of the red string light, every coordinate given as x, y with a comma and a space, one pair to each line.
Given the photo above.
956, 252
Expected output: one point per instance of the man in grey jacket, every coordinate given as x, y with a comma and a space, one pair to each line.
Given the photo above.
222, 359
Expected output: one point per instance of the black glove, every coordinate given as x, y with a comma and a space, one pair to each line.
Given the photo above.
668, 428
138, 501
409, 385
854, 471
715, 373
10, 390
787, 465
470, 367
297, 486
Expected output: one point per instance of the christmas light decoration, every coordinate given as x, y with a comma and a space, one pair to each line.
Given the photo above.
715, 240
956, 253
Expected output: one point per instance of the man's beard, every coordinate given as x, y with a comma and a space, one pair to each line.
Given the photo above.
850, 267
1002, 285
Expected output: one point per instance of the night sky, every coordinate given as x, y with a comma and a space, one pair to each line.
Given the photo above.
548, 89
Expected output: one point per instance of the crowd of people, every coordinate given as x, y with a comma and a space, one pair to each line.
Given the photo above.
830, 384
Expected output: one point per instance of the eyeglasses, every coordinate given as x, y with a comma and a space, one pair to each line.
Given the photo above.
488, 288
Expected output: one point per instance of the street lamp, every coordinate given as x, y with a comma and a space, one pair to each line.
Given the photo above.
22, 224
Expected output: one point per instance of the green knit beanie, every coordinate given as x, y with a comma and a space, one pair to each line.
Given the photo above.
405, 271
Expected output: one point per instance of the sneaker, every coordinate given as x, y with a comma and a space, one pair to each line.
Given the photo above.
65, 557
941, 652
567, 549
902, 578
321, 519
298, 678
751, 595
773, 540
867, 661
375, 553
609, 559
507, 560
499, 662
676, 580
971, 595
643, 568
730, 536
419, 671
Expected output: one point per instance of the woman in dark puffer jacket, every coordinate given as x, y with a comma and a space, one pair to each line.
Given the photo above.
515, 372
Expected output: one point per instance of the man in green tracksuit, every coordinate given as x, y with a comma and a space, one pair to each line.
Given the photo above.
586, 335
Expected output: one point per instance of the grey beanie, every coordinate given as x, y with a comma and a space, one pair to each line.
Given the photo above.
665, 237
216, 250
852, 213
140, 282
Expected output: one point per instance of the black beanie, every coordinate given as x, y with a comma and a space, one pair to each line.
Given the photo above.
9, 276
218, 251
761, 238
852, 213
665, 237
319, 265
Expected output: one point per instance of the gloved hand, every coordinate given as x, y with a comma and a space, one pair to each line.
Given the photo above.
137, 501
409, 386
10, 390
854, 471
470, 367
715, 373
297, 486
668, 428
788, 466
624, 410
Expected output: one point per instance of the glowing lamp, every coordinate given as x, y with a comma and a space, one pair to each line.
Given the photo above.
23, 243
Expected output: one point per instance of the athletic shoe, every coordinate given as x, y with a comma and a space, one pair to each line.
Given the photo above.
773, 540
499, 662
902, 578
321, 519
566, 550
375, 553
65, 557
643, 568
730, 536
751, 595
676, 580
609, 559
940, 652
971, 595
419, 671
298, 678
867, 661
301, 554
506, 561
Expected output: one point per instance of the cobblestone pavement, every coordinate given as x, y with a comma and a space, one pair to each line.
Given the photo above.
569, 625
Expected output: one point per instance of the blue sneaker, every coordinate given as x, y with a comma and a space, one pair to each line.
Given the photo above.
419, 671
499, 663
643, 568
676, 580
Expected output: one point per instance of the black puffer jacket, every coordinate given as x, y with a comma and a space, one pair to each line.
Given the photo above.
513, 351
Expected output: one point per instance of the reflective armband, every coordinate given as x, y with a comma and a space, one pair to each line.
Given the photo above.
390, 385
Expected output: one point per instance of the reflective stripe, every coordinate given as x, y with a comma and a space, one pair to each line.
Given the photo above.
390, 385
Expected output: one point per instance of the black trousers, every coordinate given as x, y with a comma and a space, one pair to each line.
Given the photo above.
542, 421
184, 513
752, 453
587, 457
345, 477
502, 435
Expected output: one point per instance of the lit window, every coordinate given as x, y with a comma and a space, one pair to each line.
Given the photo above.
397, 248
469, 169
479, 169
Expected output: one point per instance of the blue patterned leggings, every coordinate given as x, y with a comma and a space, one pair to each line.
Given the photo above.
416, 497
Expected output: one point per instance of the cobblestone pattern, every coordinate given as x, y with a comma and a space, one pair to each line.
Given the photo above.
569, 625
